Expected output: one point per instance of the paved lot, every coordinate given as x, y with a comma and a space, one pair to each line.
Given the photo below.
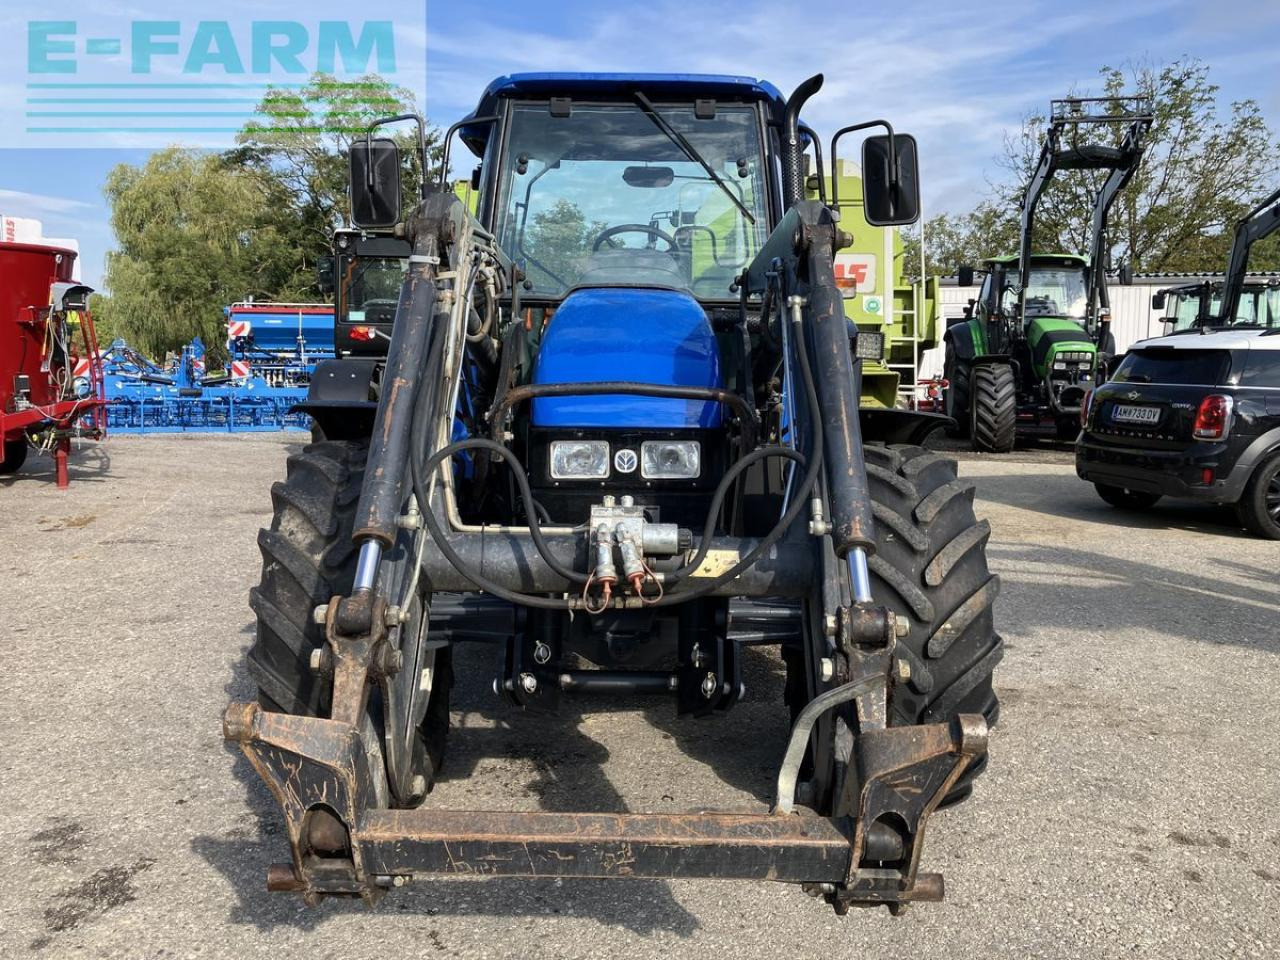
1131, 808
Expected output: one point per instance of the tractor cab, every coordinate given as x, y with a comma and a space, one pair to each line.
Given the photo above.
1238, 299
364, 275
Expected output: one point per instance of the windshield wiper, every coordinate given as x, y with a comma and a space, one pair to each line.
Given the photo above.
679, 139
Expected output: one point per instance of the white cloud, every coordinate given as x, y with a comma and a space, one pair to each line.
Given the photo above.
17, 203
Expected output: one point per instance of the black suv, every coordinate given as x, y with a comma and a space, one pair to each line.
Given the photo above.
1193, 415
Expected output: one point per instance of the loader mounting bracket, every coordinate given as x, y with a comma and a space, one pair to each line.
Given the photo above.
343, 844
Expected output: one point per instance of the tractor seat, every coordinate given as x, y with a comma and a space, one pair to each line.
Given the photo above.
633, 268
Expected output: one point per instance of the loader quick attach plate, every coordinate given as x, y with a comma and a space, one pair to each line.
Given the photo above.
342, 844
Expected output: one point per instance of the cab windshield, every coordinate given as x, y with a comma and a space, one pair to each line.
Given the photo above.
1259, 307
1051, 292
605, 197
371, 288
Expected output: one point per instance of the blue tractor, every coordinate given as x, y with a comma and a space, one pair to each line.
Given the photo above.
617, 429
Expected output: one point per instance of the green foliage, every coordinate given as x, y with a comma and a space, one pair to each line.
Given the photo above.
558, 242
193, 234
300, 141
196, 231
1205, 166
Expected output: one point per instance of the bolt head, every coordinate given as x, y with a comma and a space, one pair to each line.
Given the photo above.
827, 666
317, 659
904, 670
418, 786
320, 614
528, 683
829, 625
901, 626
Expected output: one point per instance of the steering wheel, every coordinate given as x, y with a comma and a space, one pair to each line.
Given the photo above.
654, 232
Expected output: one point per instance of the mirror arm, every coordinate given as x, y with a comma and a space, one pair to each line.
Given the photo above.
422, 147
894, 170
448, 141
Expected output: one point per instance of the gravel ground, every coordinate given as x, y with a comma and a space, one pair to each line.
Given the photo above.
1130, 808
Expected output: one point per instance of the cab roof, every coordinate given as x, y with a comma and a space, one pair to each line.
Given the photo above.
608, 86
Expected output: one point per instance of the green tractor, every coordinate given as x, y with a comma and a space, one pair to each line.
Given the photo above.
1032, 344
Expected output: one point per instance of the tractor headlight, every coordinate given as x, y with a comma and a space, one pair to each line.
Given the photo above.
670, 459
579, 459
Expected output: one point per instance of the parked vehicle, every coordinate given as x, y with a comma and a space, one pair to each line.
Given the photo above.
1034, 341
618, 422
1238, 299
1193, 416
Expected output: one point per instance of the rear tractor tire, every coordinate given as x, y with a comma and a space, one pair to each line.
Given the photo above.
15, 455
956, 399
1125, 498
993, 405
930, 567
308, 558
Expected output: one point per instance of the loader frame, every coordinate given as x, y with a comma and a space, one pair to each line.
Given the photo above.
881, 783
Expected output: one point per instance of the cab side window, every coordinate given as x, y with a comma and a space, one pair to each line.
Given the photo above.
1261, 369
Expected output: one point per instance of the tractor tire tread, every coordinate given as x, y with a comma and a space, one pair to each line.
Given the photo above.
945, 590
994, 400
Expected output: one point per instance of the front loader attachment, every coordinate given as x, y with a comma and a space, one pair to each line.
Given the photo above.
342, 845
851, 832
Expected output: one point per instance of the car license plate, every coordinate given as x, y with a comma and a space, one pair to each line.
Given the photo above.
1131, 413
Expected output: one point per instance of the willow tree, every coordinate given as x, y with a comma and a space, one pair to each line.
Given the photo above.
299, 139
193, 234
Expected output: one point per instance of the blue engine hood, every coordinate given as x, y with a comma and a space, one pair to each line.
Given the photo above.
638, 334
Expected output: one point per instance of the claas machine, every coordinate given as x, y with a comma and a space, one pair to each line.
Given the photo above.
617, 425
1035, 340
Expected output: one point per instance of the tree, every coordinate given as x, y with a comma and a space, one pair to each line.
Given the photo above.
193, 234
557, 243
300, 141
1203, 168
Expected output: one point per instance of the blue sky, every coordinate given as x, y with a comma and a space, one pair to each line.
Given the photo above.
958, 75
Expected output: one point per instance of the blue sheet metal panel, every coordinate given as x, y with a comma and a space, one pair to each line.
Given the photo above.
641, 335
278, 331
673, 86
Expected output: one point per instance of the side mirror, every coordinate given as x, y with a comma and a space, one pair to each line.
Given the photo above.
1126, 274
375, 183
325, 274
1157, 300
890, 180
475, 177
964, 276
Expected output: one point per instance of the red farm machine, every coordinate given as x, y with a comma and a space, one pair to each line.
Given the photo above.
51, 388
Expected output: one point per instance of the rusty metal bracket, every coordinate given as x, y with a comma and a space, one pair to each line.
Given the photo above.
903, 774
353, 656
318, 771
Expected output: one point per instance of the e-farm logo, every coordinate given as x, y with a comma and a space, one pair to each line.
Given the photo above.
275, 46
150, 79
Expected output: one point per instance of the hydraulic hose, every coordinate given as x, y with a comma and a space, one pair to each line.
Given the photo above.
813, 462
799, 503
717, 501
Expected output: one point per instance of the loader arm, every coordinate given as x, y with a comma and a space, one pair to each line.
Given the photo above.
863, 849
1262, 221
